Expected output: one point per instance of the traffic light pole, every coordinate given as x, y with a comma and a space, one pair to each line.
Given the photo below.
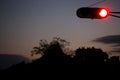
115, 12
112, 14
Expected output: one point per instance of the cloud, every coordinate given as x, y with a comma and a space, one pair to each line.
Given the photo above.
112, 39
116, 50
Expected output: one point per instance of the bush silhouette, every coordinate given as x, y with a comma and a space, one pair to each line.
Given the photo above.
54, 53
90, 55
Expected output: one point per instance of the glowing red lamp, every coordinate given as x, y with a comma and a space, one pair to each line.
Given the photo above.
104, 13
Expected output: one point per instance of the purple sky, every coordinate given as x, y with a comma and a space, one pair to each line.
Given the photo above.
24, 22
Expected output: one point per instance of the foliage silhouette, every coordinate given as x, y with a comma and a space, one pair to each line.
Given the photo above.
90, 55
44, 45
54, 55
55, 59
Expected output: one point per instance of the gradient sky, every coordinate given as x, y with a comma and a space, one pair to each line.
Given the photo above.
24, 22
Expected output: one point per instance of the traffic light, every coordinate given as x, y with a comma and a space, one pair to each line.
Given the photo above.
93, 13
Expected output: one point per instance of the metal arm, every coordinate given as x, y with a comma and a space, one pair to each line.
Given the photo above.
115, 15
115, 12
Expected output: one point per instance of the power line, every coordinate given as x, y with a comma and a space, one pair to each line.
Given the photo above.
97, 3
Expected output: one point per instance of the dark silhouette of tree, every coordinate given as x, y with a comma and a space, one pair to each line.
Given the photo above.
56, 52
53, 52
90, 55
43, 45
113, 63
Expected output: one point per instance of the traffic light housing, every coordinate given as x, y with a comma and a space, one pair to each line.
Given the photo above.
93, 13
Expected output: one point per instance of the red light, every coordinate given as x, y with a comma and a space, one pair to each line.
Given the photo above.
103, 13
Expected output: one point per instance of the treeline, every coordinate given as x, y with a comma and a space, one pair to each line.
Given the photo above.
56, 54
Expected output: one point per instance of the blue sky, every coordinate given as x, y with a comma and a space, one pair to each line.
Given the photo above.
24, 22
